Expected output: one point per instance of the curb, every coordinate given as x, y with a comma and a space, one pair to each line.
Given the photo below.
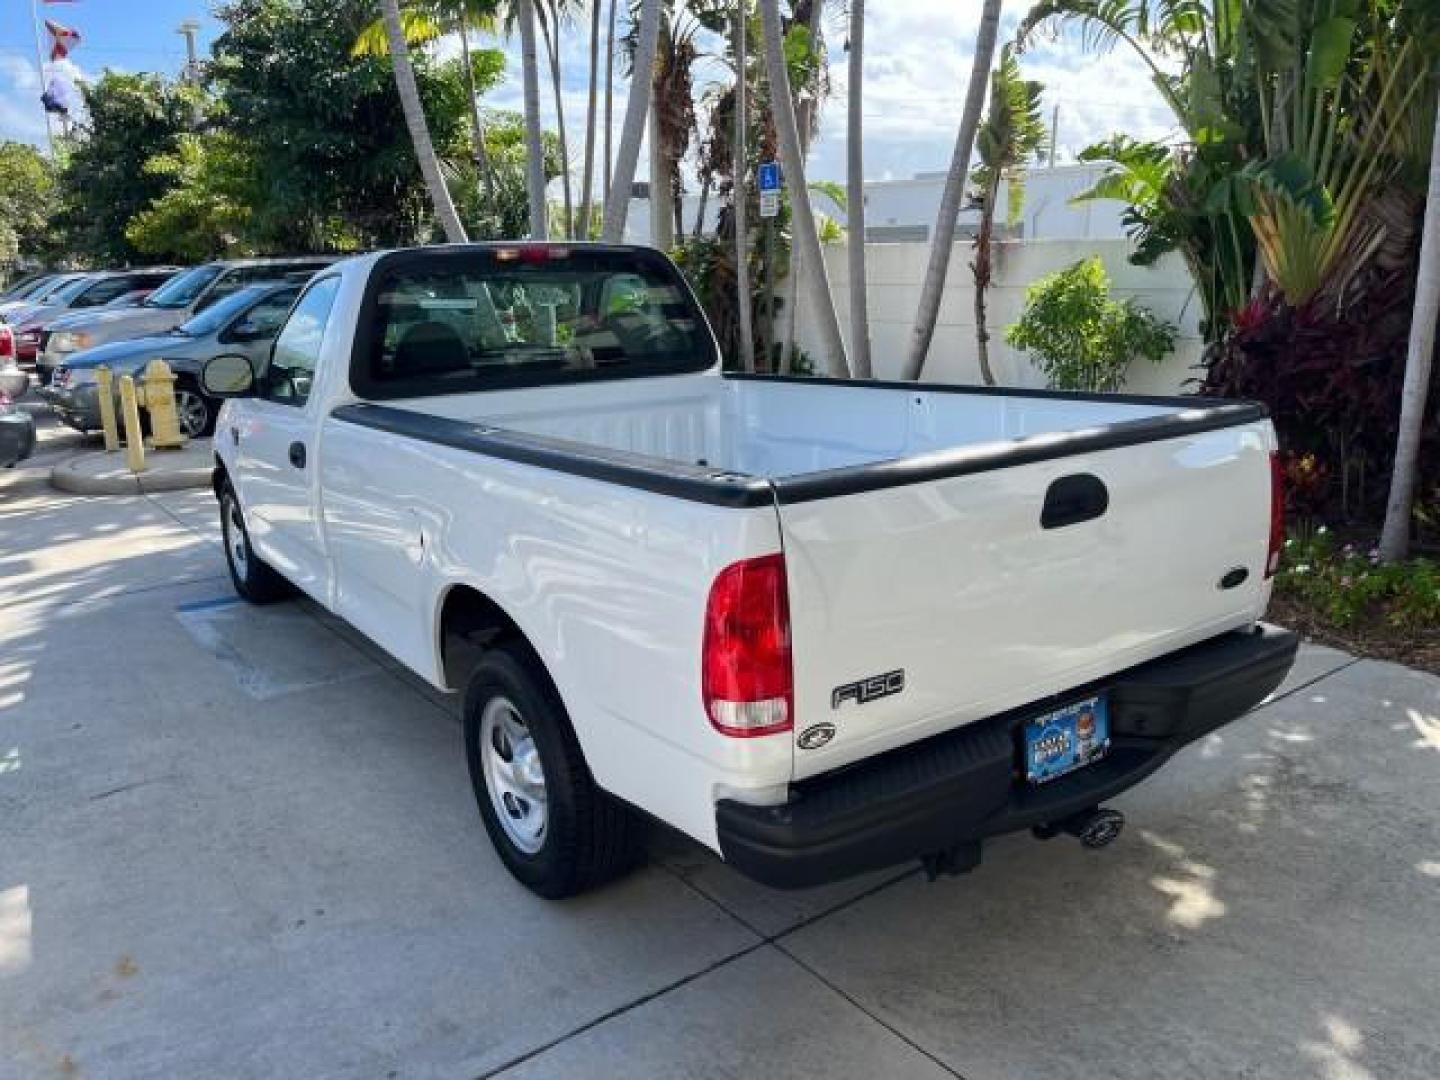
69, 476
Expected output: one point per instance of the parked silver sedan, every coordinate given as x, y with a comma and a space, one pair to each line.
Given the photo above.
245, 322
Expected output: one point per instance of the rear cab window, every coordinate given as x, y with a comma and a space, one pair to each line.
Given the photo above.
437, 322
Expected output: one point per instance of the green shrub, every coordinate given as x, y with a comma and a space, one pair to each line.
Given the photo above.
1079, 337
1347, 585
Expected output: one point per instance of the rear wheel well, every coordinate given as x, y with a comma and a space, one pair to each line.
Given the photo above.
471, 622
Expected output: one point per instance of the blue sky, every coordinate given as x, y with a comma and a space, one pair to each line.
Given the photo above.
918, 61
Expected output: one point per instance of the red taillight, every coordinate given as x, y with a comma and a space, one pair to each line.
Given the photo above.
7, 343
745, 672
1277, 516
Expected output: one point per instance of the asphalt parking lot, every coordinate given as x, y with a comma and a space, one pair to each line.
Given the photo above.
238, 842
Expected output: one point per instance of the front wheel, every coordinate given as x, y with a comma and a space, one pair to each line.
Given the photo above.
253, 578
556, 832
195, 411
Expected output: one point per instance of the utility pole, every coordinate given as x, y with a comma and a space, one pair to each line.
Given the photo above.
188, 29
40, 70
1054, 132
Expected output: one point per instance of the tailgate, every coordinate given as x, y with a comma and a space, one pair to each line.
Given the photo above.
955, 582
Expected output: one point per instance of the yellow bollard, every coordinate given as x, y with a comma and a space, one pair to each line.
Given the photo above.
157, 394
105, 387
134, 438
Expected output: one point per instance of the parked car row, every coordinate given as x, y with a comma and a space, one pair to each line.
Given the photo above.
65, 325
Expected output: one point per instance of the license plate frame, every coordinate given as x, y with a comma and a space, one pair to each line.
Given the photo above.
1059, 742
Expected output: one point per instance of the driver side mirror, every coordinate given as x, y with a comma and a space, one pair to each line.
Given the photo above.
228, 375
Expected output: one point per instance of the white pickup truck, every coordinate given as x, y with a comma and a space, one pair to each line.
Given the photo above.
820, 626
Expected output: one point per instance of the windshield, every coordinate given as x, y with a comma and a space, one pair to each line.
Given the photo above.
456, 321
221, 312
181, 290
54, 288
70, 291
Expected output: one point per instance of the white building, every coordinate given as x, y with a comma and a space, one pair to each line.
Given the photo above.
904, 211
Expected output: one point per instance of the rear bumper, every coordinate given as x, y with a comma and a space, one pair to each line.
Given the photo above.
965, 785
77, 406
17, 437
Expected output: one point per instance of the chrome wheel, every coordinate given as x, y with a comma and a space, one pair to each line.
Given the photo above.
232, 524
513, 774
194, 413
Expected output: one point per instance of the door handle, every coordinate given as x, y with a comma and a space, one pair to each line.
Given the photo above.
1073, 499
297, 454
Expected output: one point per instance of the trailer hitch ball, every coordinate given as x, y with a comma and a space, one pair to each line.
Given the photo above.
1094, 828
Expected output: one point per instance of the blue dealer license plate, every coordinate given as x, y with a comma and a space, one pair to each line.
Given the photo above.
1066, 739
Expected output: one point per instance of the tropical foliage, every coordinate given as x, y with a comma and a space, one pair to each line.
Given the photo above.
1080, 337
1294, 195
1012, 133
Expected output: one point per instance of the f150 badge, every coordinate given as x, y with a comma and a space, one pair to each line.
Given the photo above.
864, 691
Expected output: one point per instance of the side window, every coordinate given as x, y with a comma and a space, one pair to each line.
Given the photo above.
297, 349
262, 320
102, 292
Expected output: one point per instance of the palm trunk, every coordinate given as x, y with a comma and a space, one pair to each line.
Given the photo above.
477, 125
534, 141
609, 98
805, 114
982, 268
1395, 536
792, 160
855, 197
617, 199
551, 34
944, 239
740, 194
662, 202
587, 186
414, 112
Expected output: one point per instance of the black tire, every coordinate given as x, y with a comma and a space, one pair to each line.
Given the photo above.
196, 412
254, 579
588, 837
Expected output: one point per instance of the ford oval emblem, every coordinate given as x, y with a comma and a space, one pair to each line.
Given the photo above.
815, 736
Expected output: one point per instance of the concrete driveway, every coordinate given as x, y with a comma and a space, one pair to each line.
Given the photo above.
237, 842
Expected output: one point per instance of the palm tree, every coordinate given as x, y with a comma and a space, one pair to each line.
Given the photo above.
587, 181
807, 112
549, 13
855, 196
944, 239
609, 97
1013, 133
423, 23
414, 111
742, 226
1395, 536
807, 240
617, 199
534, 141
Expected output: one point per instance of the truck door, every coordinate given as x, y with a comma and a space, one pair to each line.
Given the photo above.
275, 446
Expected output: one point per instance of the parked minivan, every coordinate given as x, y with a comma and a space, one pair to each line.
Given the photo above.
175, 302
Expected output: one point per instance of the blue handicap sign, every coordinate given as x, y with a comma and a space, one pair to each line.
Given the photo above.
769, 176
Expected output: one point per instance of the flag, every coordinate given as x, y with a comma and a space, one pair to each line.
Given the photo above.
62, 39
56, 98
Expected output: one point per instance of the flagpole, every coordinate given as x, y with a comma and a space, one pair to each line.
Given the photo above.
40, 68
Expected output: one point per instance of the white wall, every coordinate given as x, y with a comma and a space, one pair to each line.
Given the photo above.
895, 272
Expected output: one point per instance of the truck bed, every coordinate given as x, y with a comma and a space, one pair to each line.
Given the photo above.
791, 429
